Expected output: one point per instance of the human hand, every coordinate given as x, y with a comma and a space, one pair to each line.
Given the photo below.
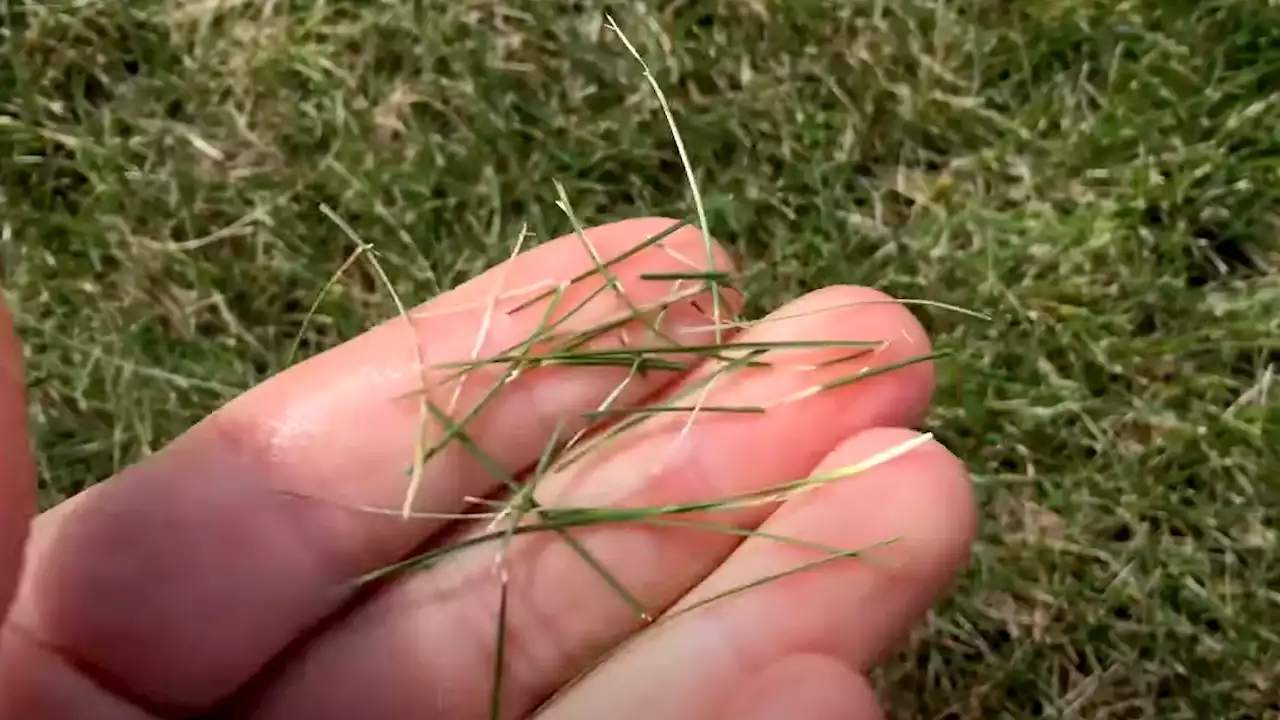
214, 577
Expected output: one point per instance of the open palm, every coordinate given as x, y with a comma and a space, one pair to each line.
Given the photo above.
215, 578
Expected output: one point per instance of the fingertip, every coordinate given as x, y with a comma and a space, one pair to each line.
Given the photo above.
876, 316
928, 485
688, 241
682, 241
913, 507
874, 487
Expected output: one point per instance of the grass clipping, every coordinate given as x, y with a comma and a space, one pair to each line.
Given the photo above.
519, 513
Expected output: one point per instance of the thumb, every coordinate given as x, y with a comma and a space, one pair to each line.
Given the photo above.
17, 468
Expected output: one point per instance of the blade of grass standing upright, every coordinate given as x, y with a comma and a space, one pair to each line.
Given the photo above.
419, 437
716, 299
315, 304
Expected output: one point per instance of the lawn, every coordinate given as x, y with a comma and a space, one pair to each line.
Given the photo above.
1101, 178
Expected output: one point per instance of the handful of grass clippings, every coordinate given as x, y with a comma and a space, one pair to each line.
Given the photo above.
566, 341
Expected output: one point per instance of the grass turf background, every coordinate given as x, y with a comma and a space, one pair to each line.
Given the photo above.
1103, 178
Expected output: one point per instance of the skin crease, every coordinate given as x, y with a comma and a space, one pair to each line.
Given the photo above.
193, 582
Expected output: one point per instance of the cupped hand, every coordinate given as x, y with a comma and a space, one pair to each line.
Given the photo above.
215, 577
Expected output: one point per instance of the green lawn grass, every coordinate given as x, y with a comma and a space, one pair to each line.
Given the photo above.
1102, 178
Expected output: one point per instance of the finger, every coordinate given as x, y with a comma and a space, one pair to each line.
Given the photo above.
561, 614
852, 609
176, 581
17, 469
813, 687
36, 683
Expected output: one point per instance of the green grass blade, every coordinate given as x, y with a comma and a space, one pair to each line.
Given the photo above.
774, 577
